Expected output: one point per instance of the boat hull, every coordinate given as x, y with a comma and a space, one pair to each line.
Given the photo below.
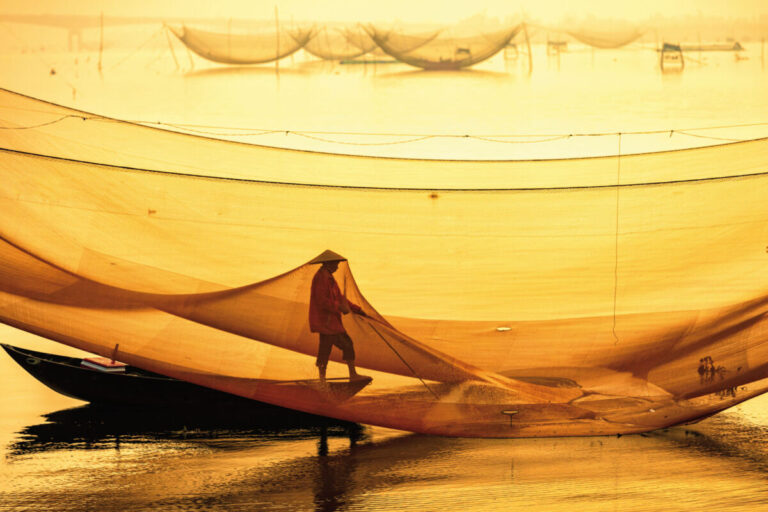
65, 375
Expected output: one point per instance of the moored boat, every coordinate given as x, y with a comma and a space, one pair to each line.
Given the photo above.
133, 386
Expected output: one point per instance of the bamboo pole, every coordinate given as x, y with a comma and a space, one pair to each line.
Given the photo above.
528, 44
101, 40
170, 45
277, 37
229, 38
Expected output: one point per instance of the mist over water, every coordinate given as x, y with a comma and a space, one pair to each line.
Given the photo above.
61, 455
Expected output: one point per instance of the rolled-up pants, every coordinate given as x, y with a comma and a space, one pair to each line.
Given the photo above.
327, 341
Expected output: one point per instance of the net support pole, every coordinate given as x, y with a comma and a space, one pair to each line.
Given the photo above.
277, 41
101, 39
528, 45
229, 37
191, 61
170, 45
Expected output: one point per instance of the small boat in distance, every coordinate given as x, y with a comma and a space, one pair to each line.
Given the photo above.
732, 46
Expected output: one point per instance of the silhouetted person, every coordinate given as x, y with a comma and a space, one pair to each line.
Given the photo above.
326, 305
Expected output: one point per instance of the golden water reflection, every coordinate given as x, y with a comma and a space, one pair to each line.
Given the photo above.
60, 455
140, 460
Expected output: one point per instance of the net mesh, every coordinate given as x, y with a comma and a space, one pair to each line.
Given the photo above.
448, 49
339, 43
242, 48
567, 297
606, 35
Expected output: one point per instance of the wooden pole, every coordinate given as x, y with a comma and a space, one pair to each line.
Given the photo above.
277, 37
170, 45
101, 41
191, 60
528, 44
229, 38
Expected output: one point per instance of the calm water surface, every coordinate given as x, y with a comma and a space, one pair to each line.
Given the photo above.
62, 455
59, 454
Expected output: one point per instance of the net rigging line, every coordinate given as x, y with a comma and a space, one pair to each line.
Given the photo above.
136, 50
389, 143
392, 188
402, 359
39, 57
40, 125
209, 130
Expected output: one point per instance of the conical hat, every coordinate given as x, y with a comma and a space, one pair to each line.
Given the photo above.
326, 256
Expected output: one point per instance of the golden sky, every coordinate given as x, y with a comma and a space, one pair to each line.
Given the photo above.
405, 10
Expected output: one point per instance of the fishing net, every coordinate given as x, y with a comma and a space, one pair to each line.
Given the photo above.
339, 43
501, 298
448, 49
242, 48
606, 35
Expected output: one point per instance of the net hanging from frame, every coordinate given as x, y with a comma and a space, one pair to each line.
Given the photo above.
449, 49
253, 47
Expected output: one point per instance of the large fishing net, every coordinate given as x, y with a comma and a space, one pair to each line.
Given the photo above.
500, 298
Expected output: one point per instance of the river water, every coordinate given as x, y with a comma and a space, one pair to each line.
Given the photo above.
60, 454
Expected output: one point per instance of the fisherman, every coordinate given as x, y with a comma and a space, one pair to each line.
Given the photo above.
326, 305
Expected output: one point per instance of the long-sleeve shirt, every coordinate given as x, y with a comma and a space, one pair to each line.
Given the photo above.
326, 303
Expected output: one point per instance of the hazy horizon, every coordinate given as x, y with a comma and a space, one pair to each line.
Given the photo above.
430, 11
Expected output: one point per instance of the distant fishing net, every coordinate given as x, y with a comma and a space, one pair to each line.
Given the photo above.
254, 47
339, 43
567, 297
606, 35
452, 48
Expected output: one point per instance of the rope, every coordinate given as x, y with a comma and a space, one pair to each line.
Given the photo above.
710, 137
215, 130
29, 127
321, 139
488, 139
204, 132
137, 50
403, 360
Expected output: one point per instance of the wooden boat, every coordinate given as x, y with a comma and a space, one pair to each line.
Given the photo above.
133, 386
734, 46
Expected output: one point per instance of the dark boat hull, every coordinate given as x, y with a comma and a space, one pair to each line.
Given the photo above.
65, 375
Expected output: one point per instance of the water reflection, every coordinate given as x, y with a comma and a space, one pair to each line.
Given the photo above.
334, 474
149, 459
101, 427
256, 71
443, 75
722, 437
